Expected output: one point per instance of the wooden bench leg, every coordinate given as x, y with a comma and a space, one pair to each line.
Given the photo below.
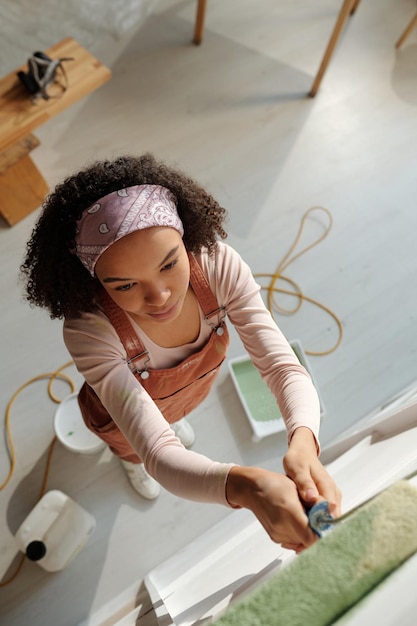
348, 7
199, 22
22, 190
17, 151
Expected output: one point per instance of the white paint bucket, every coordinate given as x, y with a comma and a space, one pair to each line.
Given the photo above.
71, 430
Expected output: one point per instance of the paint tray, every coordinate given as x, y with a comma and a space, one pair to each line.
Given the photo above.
257, 400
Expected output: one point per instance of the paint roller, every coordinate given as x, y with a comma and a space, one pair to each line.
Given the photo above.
319, 585
321, 520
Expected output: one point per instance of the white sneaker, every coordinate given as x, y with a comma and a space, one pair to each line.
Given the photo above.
184, 432
140, 480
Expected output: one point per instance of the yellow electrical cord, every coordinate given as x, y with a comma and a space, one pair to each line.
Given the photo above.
52, 377
272, 289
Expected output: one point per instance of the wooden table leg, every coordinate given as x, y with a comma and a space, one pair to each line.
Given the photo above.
199, 22
347, 9
354, 7
22, 190
412, 25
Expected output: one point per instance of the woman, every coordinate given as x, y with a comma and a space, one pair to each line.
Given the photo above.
127, 252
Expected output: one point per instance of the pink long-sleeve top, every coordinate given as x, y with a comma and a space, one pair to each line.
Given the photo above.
100, 357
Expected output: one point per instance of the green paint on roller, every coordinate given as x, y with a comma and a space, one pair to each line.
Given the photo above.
326, 580
259, 400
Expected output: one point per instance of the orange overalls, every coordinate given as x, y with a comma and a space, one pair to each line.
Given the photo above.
177, 390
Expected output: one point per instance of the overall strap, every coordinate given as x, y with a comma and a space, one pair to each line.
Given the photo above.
120, 321
201, 288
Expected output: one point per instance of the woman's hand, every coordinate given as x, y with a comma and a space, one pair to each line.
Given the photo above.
302, 465
274, 500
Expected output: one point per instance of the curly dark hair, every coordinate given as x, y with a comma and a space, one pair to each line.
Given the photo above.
55, 278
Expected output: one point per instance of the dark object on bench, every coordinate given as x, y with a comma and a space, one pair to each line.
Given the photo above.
43, 72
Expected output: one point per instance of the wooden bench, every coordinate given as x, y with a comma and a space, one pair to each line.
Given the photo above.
22, 186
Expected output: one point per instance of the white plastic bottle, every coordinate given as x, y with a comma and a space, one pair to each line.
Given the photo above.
55, 531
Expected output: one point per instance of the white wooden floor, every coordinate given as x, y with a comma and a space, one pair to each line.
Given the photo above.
235, 115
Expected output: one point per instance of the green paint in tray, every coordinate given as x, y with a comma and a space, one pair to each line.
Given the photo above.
258, 401
255, 393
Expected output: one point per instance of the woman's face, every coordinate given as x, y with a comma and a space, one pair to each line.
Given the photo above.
147, 273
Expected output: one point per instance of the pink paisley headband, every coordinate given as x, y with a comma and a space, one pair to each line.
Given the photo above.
120, 213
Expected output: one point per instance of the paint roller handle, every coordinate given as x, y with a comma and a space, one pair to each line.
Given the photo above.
320, 519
